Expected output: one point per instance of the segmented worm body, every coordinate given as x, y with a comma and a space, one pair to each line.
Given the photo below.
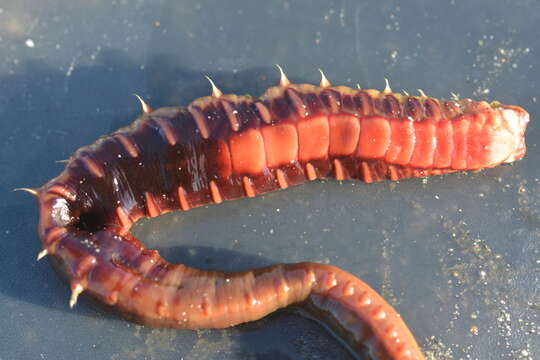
226, 147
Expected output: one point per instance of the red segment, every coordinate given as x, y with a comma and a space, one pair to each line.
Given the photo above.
461, 129
475, 142
497, 143
106, 279
344, 134
313, 138
426, 142
445, 145
281, 144
498, 149
223, 159
401, 142
515, 120
374, 137
247, 152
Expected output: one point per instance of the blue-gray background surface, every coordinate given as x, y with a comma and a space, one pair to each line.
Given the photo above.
457, 255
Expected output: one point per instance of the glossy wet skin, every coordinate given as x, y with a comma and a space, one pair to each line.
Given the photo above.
226, 147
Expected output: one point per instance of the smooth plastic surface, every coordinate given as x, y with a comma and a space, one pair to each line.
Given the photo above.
457, 255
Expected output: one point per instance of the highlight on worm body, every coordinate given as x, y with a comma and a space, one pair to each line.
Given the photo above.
244, 147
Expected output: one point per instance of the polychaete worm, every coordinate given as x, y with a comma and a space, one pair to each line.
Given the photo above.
224, 147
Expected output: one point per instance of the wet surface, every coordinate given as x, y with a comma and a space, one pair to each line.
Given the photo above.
457, 255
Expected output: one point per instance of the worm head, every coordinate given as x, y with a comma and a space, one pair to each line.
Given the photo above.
515, 120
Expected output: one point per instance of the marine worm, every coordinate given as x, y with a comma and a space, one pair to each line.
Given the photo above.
224, 147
